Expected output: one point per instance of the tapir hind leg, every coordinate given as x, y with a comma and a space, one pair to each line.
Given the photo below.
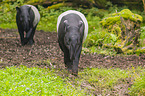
30, 35
31, 40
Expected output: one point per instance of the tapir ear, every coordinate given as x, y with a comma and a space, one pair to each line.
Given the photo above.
18, 9
80, 24
66, 24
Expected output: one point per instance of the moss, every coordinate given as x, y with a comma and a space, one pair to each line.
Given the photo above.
138, 51
116, 30
115, 18
125, 50
57, 6
127, 14
110, 21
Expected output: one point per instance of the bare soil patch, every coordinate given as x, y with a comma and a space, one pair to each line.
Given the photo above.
46, 48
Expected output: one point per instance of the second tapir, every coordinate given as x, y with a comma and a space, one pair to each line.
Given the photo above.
27, 19
72, 28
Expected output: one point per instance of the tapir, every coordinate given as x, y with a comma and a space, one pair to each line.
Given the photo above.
27, 19
72, 29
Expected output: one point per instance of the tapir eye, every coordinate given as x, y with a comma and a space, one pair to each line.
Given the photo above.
67, 41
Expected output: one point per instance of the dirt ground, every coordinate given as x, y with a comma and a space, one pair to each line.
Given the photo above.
46, 48
45, 53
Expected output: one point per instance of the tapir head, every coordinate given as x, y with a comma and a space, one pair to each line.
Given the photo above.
72, 39
24, 16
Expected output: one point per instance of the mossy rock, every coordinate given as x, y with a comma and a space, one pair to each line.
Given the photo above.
126, 26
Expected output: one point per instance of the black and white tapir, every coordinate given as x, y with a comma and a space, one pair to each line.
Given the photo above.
72, 28
27, 19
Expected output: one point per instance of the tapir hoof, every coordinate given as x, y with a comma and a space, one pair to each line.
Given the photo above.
31, 42
23, 43
75, 73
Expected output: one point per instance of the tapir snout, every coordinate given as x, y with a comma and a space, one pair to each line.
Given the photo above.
26, 25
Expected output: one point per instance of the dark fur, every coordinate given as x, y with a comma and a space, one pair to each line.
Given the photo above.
24, 18
70, 38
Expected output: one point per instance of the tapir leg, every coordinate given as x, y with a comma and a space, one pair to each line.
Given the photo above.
21, 32
76, 62
31, 40
26, 39
29, 36
67, 62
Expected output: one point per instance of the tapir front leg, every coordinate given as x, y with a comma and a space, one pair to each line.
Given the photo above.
21, 32
28, 35
76, 62
68, 63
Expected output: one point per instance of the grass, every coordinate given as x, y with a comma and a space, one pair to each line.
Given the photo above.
25, 81
103, 81
138, 88
8, 25
37, 81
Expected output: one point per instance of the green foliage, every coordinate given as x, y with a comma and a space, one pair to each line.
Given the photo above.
35, 1
8, 14
33, 81
48, 20
100, 37
97, 37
